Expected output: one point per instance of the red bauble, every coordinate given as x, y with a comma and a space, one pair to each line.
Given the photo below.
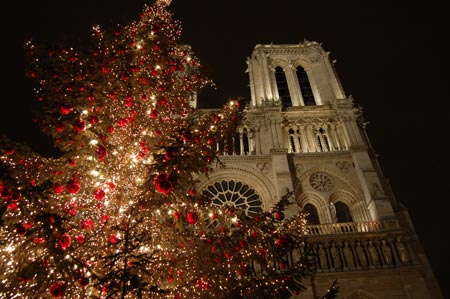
192, 217
57, 289
78, 125
27, 224
87, 224
64, 241
101, 152
65, 110
186, 137
163, 183
122, 123
20, 229
93, 120
99, 194
154, 114
60, 127
79, 239
282, 241
58, 188
113, 239
39, 240
73, 186
279, 216
83, 281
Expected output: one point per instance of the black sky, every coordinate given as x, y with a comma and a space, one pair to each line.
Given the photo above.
392, 58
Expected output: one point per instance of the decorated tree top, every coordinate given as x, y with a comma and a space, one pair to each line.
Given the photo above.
117, 215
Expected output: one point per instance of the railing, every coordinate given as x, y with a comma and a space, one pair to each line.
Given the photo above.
351, 227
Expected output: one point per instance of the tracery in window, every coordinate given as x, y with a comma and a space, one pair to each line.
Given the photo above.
234, 194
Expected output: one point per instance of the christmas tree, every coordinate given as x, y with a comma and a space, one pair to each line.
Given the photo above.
117, 214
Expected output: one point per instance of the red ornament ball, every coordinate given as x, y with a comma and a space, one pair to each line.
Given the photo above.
65, 110
83, 281
192, 217
93, 120
114, 239
279, 216
73, 186
58, 188
60, 127
163, 183
78, 125
282, 241
101, 152
57, 289
99, 194
64, 241
20, 229
154, 114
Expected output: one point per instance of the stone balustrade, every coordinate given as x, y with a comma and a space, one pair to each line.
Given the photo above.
351, 227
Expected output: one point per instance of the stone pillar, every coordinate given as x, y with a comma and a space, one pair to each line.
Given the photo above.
269, 93
304, 139
241, 142
298, 147
335, 137
293, 85
311, 138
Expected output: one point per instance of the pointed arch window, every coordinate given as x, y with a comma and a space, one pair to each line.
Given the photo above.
322, 140
282, 85
343, 212
305, 87
313, 217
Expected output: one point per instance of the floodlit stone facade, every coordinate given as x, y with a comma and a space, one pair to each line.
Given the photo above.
303, 134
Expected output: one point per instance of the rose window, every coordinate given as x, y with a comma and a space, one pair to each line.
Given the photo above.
234, 194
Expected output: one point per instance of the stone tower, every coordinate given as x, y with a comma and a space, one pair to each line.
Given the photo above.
303, 134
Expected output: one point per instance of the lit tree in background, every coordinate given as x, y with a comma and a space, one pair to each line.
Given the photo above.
117, 215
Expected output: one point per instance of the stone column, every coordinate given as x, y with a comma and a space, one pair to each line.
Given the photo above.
241, 142
335, 137
298, 147
293, 85
304, 139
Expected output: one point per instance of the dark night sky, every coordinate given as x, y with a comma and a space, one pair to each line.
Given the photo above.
393, 59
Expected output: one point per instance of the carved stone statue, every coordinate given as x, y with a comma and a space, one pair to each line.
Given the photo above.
402, 252
348, 255
387, 252
373, 254
335, 256
361, 254
322, 257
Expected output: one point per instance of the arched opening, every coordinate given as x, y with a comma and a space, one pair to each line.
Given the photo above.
343, 212
312, 217
283, 89
305, 87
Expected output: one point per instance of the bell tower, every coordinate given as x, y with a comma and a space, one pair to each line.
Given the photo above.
302, 133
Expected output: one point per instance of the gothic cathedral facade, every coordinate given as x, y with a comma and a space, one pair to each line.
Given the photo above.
302, 134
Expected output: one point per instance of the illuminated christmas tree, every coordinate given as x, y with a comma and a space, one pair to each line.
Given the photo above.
117, 215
